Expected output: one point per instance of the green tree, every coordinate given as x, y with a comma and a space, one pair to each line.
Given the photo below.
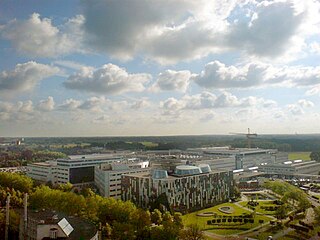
315, 156
16, 181
156, 217
317, 214
281, 212
123, 231
192, 232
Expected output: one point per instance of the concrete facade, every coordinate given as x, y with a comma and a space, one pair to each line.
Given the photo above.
107, 177
189, 192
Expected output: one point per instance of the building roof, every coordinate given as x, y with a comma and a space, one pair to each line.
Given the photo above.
76, 227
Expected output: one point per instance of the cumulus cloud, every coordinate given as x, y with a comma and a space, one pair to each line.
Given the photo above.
313, 91
109, 79
305, 103
184, 29
19, 111
170, 80
69, 105
268, 31
37, 37
46, 105
207, 100
140, 104
123, 28
94, 104
218, 75
25, 76
299, 107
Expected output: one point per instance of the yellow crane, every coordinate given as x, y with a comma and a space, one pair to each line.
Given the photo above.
249, 136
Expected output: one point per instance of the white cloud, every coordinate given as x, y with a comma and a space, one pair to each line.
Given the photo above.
46, 105
207, 100
315, 47
305, 103
69, 105
37, 37
25, 107
295, 109
218, 75
109, 79
94, 104
298, 108
313, 91
25, 76
177, 30
170, 80
140, 104
269, 30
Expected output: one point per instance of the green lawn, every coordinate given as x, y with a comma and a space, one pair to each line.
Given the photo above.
150, 144
224, 228
299, 155
259, 209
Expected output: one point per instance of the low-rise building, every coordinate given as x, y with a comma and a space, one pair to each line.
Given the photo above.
47, 224
189, 188
43, 171
292, 167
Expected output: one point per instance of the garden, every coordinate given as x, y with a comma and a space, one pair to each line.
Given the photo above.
226, 219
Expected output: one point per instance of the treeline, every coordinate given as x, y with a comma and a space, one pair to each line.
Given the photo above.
22, 156
287, 143
119, 220
289, 194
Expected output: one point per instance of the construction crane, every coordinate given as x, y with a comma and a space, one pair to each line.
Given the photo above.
249, 136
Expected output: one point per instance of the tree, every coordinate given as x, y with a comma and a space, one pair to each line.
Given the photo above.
281, 212
317, 214
236, 192
315, 156
156, 217
193, 232
123, 231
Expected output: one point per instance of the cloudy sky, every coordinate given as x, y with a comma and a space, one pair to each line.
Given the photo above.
155, 67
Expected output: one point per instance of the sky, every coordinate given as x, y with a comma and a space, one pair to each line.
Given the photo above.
155, 67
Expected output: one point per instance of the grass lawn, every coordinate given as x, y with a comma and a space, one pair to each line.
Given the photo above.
150, 144
299, 155
259, 209
224, 228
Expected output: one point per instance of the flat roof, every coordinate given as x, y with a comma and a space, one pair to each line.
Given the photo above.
149, 175
44, 164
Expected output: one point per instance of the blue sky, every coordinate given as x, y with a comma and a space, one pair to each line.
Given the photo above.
150, 67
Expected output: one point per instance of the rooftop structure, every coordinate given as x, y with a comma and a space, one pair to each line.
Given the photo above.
52, 225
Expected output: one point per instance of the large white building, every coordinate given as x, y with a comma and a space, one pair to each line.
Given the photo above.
77, 169
43, 171
292, 167
107, 177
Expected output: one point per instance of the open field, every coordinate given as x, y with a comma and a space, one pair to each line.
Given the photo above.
223, 228
299, 155
149, 144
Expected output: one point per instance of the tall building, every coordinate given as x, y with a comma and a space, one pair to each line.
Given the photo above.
188, 188
107, 177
